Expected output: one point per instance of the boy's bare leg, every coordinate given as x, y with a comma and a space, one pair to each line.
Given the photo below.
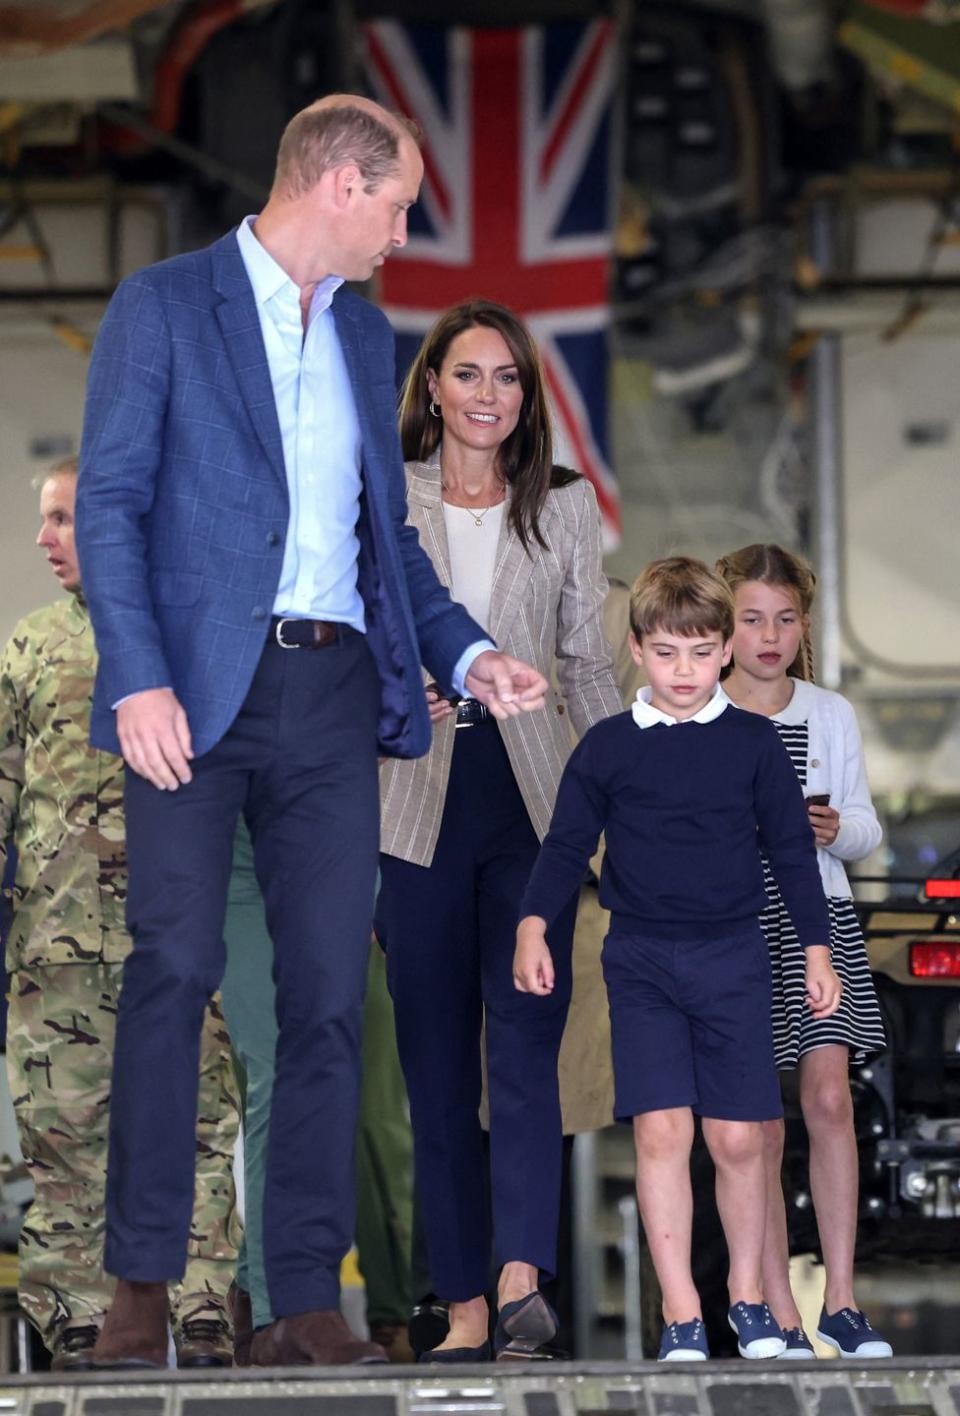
834, 1166
663, 1140
737, 1151
776, 1252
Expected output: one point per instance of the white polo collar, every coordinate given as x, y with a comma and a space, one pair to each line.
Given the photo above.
646, 716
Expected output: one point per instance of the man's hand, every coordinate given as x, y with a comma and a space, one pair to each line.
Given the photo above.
155, 737
507, 686
824, 989
532, 960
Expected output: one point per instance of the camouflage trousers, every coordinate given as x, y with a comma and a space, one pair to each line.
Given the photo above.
60, 1037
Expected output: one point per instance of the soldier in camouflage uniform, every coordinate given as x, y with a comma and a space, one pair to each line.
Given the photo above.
61, 802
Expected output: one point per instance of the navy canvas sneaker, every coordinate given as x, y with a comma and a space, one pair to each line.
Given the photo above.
683, 1342
849, 1333
798, 1345
757, 1334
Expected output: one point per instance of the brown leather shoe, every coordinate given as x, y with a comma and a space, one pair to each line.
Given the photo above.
72, 1349
135, 1331
319, 1339
241, 1312
393, 1338
204, 1340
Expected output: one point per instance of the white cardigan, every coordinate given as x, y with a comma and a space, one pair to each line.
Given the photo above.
835, 765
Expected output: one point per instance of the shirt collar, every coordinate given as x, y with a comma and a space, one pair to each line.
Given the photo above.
269, 279
646, 716
798, 709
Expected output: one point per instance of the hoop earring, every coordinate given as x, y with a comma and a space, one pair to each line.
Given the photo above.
435, 408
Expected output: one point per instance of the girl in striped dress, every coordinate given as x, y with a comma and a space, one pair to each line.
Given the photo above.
771, 674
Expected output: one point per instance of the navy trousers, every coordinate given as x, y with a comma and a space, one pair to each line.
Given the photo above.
300, 762
449, 931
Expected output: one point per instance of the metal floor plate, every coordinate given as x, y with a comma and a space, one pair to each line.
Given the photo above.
922, 1387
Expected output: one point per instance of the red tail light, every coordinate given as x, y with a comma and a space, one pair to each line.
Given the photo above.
942, 889
935, 958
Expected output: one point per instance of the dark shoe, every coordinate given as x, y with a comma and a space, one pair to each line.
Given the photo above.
392, 1337
135, 1330
799, 1347
848, 1332
684, 1342
241, 1314
429, 1324
204, 1341
320, 1339
73, 1346
523, 1326
457, 1356
758, 1335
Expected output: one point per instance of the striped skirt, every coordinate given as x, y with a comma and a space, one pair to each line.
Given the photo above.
857, 1023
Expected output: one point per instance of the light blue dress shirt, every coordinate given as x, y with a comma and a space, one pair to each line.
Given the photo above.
321, 447
321, 441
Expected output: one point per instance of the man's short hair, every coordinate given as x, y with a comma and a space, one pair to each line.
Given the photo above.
680, 595
323, 137
66, 467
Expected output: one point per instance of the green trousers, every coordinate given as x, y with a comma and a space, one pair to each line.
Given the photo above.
384, 1143
60, 1035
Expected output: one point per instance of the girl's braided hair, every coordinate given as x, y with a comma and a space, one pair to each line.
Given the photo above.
773, 565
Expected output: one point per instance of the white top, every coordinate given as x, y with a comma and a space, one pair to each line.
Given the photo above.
473, 556
835, 764
645, 715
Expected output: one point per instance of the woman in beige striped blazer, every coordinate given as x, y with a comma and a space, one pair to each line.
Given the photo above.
517, 540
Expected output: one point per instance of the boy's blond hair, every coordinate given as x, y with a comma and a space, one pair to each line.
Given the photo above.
680, 595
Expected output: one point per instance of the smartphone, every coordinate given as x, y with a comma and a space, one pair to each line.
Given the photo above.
818, 799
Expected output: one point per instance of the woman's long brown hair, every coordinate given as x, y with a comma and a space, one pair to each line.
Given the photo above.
525, 458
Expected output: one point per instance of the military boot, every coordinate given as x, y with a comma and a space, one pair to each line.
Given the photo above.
204, 1339
73, 1345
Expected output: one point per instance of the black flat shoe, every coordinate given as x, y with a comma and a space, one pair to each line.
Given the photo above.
523, 1326
444, 1356
429, 1324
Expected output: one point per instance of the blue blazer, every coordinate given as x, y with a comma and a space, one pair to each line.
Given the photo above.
182, 505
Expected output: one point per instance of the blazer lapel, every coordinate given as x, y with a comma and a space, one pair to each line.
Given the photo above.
359, 371
512, 572
426, 514
513, 566
240, 325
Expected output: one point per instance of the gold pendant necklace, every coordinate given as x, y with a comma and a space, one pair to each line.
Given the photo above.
476, 512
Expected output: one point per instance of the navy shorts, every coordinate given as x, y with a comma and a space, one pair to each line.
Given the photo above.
691, 1025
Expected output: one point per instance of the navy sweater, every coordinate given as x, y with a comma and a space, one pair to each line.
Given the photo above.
687, 810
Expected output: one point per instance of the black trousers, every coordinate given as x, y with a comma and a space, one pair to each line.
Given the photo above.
300, 763
449, 931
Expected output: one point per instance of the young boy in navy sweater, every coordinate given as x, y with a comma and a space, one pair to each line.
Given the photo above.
686, 814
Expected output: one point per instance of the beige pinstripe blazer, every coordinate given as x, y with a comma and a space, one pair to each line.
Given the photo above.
545, 608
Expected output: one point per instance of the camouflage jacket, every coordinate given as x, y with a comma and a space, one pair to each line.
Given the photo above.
61, 801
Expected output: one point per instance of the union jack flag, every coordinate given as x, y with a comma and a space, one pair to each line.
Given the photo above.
515, 204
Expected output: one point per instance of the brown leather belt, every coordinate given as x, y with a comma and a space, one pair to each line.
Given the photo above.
304, 633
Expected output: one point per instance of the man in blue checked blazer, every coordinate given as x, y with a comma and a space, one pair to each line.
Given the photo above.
261, 613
